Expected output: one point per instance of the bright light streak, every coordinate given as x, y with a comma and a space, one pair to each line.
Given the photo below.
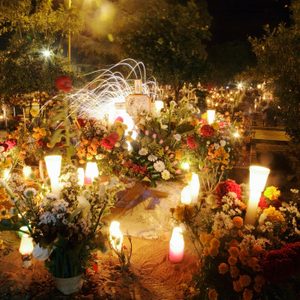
46, 53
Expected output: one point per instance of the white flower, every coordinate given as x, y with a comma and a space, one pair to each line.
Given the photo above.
84, 205
159, 166
47, 218
217, 146
152, 157
177, 137
143, 151
41, 253
294, 191
30, 192
165, 174
222, 143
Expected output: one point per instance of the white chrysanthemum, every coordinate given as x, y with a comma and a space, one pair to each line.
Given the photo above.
143, 151
159, 166
47, 218
152, 157
30, 192
177, 137
222, 143
165, 175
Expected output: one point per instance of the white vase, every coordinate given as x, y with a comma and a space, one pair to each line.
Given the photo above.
70, 285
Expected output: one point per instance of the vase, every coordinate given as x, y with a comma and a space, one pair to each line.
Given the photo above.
69, 285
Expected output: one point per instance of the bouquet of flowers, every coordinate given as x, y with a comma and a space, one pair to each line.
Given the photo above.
64, 226
241, 261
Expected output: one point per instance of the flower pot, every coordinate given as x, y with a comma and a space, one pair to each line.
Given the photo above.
70, 285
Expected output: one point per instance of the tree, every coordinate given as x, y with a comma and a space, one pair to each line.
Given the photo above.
278, 59
169, 38
33, 27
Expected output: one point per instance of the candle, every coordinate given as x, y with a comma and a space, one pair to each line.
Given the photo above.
6, 174
211, 115
186, 195
195, 187
258, 179
159, 105
115, 236
91, 172
26, 248
176, 250
53, 165
80, 176
27, 171
24, 229
185, 166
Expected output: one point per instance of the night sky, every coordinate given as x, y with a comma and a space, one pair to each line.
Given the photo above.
237, 19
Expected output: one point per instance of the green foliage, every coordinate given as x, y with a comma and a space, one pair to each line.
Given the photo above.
278, 58
169, 39
33, 26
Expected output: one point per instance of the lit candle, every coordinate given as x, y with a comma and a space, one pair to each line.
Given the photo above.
80, 176
6, 174
258, 179
185, 166
91, 172
211, 115
26, 248
27, 171
24, 231
159, 105
176, 250
115, 236
195, 187
53, 165
186, 195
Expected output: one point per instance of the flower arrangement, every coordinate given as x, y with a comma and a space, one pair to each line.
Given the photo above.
65, 227
241, 261
103, 142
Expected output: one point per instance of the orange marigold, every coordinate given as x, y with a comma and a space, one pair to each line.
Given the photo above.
247, 294
234, 271
234, 251
215, 243
212, 294
237, 286
232, 260
238, 222
223, 268
245, 280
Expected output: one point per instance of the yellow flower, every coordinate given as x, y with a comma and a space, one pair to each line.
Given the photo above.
212, 294
271, 214
223, 268
272, 193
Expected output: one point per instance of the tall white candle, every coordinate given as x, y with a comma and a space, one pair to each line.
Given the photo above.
26, 245
176, 250
258, 180
186, 195
116, 236
159, 105
91, 172
53, 165
195, 187
80, 176
27, 171
211, 115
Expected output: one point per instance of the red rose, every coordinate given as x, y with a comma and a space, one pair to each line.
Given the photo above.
191, 142
207, 131
263, 202
81, 122
280, 264
63, 83
110, 141
224, 187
